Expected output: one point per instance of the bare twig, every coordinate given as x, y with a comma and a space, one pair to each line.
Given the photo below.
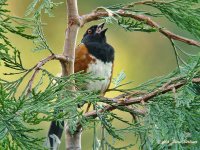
162, 30
41, 63
96, 15
136, 111
36, 70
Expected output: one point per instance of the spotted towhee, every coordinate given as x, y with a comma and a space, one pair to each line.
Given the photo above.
93, 55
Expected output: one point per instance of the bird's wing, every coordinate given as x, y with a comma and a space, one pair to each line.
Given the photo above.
82, 58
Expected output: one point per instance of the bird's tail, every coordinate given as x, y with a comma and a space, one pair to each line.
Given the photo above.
55, 134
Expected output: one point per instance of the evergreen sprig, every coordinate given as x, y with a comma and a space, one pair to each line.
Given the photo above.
106, 121
168, 123
184, 13
170, 119
40, 42
132, 25
39, 106
9, 54
13, 132
36, 7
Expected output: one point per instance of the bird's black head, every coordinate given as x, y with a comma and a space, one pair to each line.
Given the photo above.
95, 33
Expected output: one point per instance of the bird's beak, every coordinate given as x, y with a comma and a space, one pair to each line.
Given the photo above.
100, 28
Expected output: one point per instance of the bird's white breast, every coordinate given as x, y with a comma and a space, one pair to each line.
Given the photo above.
101, 70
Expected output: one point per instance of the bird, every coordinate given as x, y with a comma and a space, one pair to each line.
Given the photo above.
93, 55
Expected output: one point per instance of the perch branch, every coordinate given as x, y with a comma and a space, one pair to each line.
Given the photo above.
167, 87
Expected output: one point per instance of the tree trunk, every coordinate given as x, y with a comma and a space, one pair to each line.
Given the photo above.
73, 141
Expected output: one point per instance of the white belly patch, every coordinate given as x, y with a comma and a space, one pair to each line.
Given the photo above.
101, 70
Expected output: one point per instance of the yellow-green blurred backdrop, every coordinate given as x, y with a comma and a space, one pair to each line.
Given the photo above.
141, 55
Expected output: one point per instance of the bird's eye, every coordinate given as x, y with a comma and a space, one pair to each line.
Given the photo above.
89, 31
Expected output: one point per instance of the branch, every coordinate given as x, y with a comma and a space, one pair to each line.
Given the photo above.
41, 63
72, 141
167, 87
96, 15
70, 37
134, 110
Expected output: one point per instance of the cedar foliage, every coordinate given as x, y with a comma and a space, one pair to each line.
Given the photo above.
171, 119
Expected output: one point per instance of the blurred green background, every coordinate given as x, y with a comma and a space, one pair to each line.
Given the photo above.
142, 56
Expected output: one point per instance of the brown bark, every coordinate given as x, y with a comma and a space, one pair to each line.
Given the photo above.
41, 63
96, 15
167, 87
73, 141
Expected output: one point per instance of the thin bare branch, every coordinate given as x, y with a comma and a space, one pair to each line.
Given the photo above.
97, 15
36, 70
136, 111
41, 63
